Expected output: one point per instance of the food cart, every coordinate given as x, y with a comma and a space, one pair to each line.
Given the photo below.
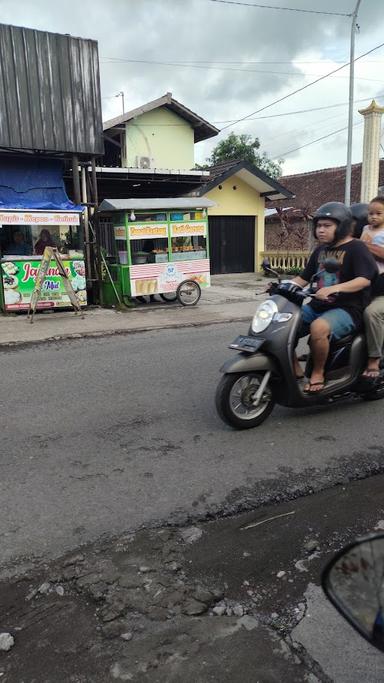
23, 236
155, 246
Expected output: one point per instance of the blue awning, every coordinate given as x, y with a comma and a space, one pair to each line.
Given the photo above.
33, 184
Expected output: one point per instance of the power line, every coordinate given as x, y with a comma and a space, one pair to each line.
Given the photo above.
122, 60
307, 144
260, 118
186, 62
313, 126
302, 111
286, 9
189, 62
295, 92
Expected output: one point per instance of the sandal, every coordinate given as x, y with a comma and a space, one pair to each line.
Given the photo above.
308, 388
371, 374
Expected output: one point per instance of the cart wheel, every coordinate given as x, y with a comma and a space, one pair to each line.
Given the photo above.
169, 297
188, 293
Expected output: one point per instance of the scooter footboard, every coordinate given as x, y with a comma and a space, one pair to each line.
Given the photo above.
258, 362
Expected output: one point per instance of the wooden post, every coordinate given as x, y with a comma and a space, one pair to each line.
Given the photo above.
86, 223
97, 230
76, 179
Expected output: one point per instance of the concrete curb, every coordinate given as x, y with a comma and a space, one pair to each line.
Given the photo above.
6, 346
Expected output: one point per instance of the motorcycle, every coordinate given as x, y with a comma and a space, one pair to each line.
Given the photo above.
353, 582
263, 372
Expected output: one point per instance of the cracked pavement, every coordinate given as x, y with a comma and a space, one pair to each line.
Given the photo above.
234, 600
104, 437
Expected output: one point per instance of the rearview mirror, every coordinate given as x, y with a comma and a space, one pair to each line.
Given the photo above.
353, 581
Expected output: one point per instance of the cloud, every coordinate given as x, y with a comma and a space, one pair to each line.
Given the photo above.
228, 38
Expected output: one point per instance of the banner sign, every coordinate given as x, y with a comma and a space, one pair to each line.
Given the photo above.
19, 279
162, 278
141, 231
38, 218
188, 229
119, 232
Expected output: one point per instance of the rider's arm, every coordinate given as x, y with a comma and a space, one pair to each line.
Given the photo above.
300, 281
351, 286
375, 250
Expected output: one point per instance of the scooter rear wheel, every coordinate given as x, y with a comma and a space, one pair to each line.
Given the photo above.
234, 396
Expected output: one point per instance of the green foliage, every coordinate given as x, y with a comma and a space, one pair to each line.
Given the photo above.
244, 148
293, 271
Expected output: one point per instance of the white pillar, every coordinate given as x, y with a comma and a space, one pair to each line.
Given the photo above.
371, 151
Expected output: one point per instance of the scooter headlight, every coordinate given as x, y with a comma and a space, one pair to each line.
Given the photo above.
263, 316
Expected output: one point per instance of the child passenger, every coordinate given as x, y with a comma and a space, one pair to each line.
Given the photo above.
373, 236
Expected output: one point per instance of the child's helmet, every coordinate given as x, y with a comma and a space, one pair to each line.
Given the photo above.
338, 212
360, 217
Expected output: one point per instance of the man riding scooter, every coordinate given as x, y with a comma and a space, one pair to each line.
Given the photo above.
340, 299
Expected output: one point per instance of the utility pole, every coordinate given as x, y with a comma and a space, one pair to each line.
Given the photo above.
348, 173
121, 94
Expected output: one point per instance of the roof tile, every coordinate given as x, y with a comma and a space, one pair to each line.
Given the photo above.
314, 188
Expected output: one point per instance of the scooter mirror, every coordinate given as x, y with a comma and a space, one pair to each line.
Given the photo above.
267, 269
354, 583
331, 265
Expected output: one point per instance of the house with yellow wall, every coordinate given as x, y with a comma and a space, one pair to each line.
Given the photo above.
158, 136
152, 151
236, 222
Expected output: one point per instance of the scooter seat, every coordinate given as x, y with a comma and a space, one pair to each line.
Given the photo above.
336, 343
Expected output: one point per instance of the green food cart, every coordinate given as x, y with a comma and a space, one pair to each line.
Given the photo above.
155, 246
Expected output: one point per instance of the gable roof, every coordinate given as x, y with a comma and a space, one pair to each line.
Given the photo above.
202, 129
261, 182
314, 188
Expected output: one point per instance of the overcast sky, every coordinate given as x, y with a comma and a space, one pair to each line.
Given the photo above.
230, 60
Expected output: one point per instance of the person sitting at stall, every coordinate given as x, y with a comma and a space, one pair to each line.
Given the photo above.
18, 246
45, 240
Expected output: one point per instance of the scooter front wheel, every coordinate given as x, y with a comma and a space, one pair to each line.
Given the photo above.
235, 400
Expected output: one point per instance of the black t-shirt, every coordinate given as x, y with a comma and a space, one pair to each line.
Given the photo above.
355, 261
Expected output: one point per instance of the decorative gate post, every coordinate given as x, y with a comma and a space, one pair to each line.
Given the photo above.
371, 151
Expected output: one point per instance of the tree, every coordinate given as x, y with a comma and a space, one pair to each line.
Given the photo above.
294, 231
244, 148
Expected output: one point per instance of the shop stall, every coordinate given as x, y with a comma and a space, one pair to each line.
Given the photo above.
23, 236
155, 246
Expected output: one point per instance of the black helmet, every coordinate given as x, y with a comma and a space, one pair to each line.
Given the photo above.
360, 217
337, 212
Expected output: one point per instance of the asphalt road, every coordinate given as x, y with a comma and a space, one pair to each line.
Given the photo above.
102, 436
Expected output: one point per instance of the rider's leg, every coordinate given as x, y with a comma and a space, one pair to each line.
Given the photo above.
320, 333
333, 324
374, 330
308, 315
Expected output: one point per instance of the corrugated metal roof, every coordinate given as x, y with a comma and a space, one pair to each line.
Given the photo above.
49, 92
202, 129
158, 203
